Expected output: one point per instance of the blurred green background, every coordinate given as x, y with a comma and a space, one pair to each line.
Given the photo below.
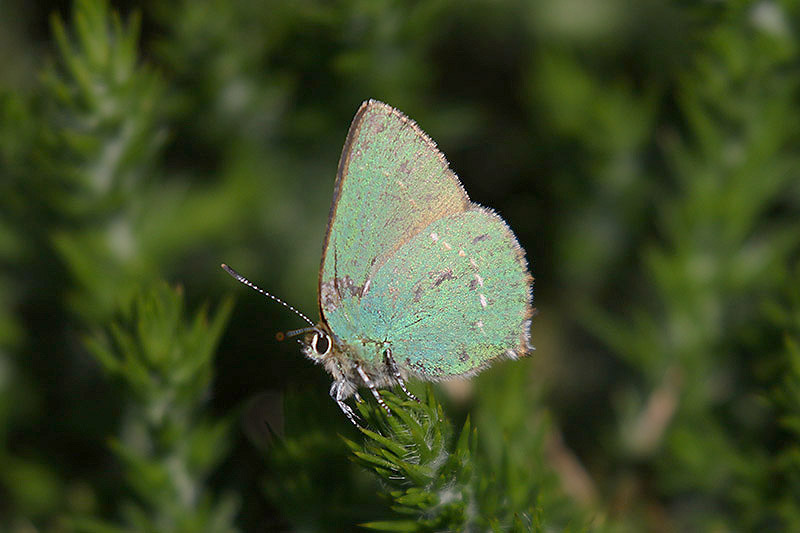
644, 152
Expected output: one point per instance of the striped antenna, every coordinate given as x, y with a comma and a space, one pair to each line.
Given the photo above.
283, 335
241, 279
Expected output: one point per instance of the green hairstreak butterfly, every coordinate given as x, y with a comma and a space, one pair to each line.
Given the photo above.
416, 280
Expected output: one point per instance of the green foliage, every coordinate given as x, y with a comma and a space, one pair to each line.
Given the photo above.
645, 153
718, 249
417, 453
786, 466
167, 447
108, 128
439, 483
783, 400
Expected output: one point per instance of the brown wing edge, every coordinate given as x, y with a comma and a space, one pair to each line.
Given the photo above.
344, 162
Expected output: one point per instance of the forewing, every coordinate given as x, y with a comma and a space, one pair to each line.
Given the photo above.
392, 182
453, 298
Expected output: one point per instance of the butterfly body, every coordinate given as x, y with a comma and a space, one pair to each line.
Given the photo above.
416, 280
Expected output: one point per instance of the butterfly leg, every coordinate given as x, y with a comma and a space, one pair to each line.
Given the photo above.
374, 390
390, 362
336, 394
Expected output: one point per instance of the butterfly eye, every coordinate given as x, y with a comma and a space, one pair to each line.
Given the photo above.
321, 343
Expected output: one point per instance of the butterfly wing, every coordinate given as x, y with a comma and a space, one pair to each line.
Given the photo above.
392, 182
453, 298
409, 262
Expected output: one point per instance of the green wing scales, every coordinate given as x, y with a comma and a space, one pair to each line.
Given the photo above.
409, 262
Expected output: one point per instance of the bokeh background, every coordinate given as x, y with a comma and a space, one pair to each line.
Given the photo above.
644, 152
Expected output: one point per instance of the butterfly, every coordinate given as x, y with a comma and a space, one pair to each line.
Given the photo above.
416, 280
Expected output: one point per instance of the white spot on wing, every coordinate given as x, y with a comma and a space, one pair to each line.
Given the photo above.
479, 279
434, 236
473, 263
512, 354
484, 303
366, 288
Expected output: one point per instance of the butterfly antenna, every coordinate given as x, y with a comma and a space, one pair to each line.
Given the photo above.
283, 335
241, 279
296, 332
